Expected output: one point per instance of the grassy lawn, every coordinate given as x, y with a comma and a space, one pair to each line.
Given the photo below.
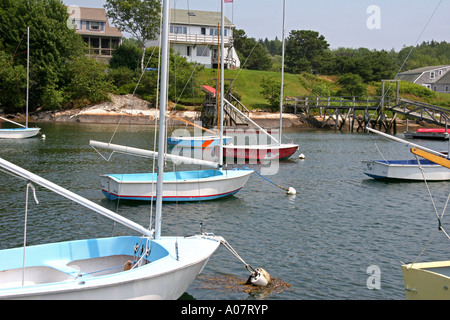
247, 84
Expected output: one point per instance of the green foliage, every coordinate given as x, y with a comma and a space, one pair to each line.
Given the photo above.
430, 53
252, 54
352, 85
52, 44
271, 90
127, 55
12, 84
89, 82
304, 49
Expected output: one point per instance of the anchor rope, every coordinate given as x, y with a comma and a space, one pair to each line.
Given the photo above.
234, 252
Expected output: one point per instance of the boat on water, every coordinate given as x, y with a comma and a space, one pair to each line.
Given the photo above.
428, 169
149, 266
411, 169
193, 185
427, 280
260, 152
429, 133
275, 150
202, 142
23, 131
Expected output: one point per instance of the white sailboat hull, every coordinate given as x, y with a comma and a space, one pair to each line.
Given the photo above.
18, 133
178, 186
93, 269
427, 281
405, 170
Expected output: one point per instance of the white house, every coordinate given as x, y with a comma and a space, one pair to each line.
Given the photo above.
195, 35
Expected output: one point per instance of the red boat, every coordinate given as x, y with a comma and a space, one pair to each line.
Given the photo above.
260, 152
429, 133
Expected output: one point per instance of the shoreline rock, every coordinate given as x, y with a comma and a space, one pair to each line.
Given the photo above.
129, 109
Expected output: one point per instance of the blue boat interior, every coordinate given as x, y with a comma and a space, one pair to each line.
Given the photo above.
80, 259
173, 176
408, 162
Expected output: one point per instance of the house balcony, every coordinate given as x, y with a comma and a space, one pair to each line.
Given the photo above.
198, 39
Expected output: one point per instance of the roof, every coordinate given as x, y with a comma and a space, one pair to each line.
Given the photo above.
445, 79
412, 75
199, 18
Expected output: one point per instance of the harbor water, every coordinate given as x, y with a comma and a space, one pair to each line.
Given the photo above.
342, 236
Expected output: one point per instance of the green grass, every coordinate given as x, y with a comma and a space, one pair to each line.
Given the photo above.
247, 85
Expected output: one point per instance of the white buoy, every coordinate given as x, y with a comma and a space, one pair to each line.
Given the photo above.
43, 136
301, 156
261, 278
291, 191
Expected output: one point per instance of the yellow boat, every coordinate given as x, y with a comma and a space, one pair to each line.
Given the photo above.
427, 280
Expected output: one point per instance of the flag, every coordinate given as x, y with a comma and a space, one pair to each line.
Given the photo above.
228, 1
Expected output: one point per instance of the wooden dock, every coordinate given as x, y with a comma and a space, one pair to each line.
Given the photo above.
355, 113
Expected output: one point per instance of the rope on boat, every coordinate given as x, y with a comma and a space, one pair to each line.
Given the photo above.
289, 190
439, 217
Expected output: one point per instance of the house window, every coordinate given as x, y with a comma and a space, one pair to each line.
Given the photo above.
188, 51
178, 29
432, 75
440, 72
203, 31
95, 25
446, 88
202, 51
215, 32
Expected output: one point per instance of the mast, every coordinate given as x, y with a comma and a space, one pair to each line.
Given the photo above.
28, 74
282, 70
221, 33
162, 115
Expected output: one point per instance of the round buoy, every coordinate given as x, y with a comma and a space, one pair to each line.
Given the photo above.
301, 156
43, 136
261, 278
291, 191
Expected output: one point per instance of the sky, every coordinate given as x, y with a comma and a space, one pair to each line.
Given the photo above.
372, 24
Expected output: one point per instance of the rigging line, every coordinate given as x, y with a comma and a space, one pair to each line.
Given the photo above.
410, 52
12, 57
242, 67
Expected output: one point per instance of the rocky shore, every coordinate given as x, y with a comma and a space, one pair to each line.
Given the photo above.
129, 109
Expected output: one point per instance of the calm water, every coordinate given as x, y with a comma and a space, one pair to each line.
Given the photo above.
320, 241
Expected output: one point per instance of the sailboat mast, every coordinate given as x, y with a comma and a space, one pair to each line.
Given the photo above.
28, 75
222, 79
162, 115
282, 69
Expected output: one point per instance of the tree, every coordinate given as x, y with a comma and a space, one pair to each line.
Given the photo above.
140, 18
304, 48
89, 82
252, 54
352, 85
271, 90
52, 44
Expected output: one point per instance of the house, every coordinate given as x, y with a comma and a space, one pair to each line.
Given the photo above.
435, 78
93, 26
194, 35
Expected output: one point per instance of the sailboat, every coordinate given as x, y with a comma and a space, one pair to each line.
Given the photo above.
428, 280
200, 141
194, 185
274, 151
23, 131
411, 169
150, 266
